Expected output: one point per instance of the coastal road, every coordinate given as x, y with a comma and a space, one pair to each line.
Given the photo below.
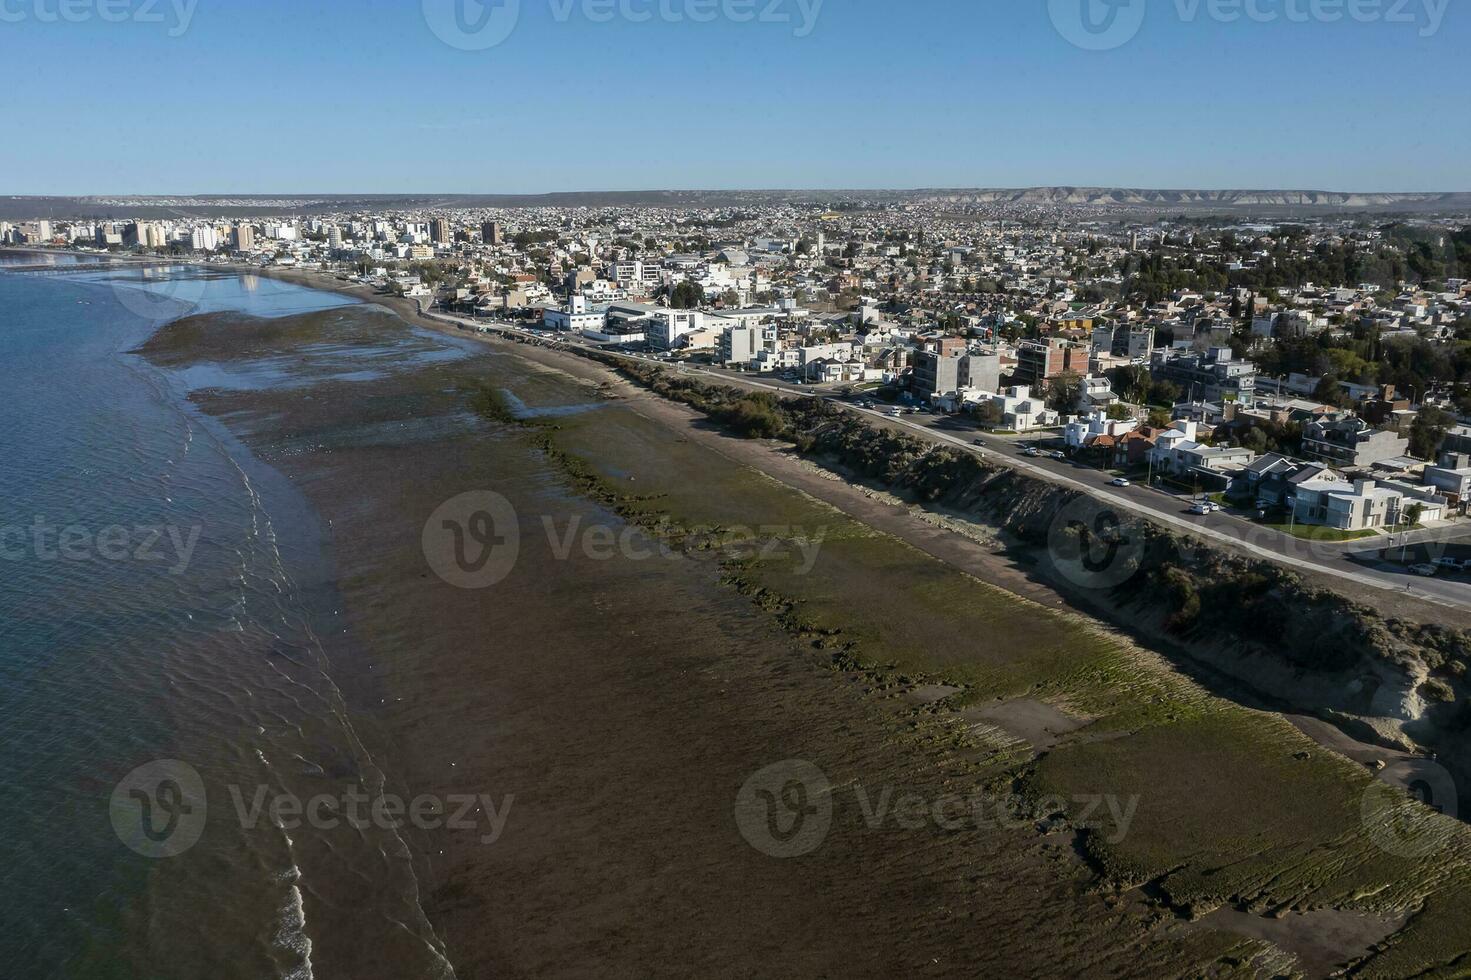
1164, 508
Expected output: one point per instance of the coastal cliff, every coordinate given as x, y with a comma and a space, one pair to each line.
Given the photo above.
1267, 634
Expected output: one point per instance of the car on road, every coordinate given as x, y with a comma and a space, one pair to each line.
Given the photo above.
1200, 509
1119, 481
1057, 454
1450, 564
1031, 451
980, 442
1428, 571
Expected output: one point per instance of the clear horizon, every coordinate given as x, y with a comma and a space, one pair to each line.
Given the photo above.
525, 97
744, 190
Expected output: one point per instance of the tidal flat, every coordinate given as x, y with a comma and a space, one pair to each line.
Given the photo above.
624, 701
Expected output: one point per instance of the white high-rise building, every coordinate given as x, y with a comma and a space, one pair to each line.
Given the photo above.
204, 239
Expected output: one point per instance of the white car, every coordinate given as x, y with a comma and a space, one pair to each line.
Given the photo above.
1428, 571
1200, 510
1119, 482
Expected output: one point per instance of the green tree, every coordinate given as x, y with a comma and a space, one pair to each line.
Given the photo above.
1064, 392
687, 295
1428, 432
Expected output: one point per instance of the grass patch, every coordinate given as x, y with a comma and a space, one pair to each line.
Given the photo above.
1312, 532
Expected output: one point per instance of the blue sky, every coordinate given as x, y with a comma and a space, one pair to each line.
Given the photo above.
359, 96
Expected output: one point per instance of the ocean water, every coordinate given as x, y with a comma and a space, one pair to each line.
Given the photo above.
164, 605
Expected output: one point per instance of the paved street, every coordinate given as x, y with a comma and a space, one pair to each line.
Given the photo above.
1354, 561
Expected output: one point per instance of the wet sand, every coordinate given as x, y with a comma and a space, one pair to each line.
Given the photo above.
623, 704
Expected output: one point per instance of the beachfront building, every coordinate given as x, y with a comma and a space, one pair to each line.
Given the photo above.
740, 345
575, 317
1451, 477
941, 372
1021, 410
1096, 431
667, 326
1333, 502
1040, 361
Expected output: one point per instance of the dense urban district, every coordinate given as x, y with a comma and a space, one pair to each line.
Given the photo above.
1312, 375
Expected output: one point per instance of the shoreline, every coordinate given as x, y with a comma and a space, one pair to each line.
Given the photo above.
865, 505
932, 532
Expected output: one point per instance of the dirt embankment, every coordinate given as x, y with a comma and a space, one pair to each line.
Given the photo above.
1247, 624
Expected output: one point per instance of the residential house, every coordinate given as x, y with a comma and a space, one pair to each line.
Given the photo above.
1020, 409
1349, 442
1362, 505
1451, 477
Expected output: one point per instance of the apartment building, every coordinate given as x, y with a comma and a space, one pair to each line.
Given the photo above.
1214, 376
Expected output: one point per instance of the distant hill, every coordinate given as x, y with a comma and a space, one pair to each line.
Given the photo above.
1123, 200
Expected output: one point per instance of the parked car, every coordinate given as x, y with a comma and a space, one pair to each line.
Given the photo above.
1450, 564
1429, 571
1119, 481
